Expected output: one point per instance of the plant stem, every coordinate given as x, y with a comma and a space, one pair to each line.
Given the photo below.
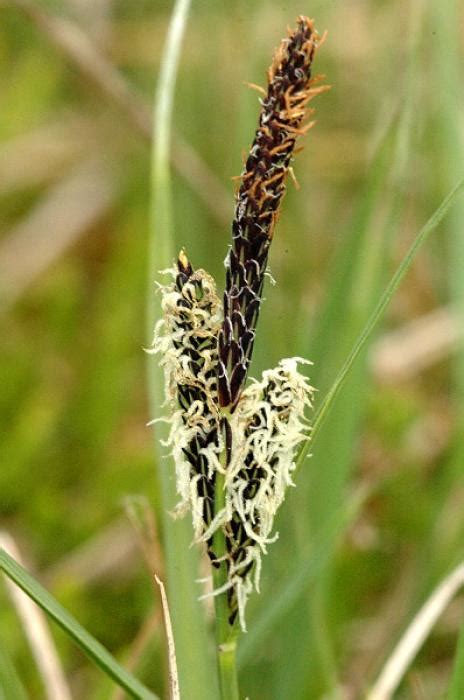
197, 676
226, 634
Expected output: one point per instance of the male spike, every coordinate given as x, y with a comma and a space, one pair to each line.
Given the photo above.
281, 121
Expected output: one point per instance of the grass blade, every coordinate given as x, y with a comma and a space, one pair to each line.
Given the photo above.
415, 635
357, 350
197, 676
436, 218
355, 280
37, 633
456, 689
449, 142
173, 675
89, 645
162, 249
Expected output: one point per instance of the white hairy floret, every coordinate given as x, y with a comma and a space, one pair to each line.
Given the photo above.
267, 426
189, 328
181, 325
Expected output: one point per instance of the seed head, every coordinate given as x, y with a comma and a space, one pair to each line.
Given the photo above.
283, 110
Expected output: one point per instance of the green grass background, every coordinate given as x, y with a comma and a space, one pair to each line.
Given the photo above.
343, 580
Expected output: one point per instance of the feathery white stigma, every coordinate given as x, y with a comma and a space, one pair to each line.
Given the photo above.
186, 341
267, 426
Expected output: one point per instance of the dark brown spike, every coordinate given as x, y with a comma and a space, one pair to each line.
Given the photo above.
283, 110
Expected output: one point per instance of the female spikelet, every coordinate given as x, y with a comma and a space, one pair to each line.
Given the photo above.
186, 339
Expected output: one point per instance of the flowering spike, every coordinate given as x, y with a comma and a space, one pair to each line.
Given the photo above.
186, 339
267, 426
222, 435
258, 199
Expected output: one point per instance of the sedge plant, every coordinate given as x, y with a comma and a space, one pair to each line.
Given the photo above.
236, 442
234, 445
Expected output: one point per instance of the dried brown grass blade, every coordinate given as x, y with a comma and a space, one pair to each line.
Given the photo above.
174, 693
415, 635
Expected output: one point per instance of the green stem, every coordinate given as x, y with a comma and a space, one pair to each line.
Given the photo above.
226, 634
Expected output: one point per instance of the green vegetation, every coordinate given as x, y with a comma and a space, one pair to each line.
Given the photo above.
376, 521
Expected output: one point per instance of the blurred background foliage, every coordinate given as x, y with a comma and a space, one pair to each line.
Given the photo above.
377, 519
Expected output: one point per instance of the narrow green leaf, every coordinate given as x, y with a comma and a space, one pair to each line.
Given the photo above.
161, 241
73, 629
327, 662
448, 143
356, 278
456, 689
324, 408
194, 649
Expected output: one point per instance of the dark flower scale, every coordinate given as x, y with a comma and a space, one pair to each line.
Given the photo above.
283, 111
